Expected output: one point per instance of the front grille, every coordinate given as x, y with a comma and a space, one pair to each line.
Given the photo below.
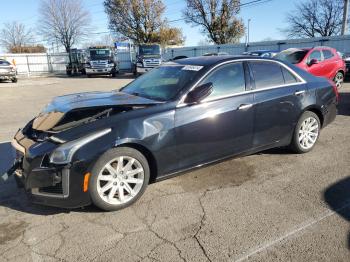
56, 189
152, 63
99, 64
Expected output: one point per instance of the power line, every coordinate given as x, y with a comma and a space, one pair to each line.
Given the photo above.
247, 4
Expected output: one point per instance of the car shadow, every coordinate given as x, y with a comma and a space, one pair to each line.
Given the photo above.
344, 104
15, 198
337, 197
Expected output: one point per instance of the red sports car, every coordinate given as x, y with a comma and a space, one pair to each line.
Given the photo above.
319, 61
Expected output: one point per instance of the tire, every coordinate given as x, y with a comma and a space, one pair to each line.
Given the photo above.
306, 133
114, 73
89, 76
69, 72
102, 182
339, 79
14, 80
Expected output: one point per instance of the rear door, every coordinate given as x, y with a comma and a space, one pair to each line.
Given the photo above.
329, 64
278, 96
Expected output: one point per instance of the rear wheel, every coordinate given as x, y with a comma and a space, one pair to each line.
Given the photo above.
119, 178
306, 133
339, 79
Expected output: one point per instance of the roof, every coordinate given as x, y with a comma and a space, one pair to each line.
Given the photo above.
212, 60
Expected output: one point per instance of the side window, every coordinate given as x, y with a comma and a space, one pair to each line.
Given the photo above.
315, 55
266, 74
327, 54
227, 80
289, 78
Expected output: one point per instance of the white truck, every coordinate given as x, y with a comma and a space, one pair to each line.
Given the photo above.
147, 57
101, 60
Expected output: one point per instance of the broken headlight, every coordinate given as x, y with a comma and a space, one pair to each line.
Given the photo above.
64, 153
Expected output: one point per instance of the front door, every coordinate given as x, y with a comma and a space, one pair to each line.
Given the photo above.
315, 69
219, 126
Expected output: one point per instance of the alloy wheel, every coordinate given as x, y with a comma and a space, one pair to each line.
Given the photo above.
308, 133
120, 180
339, 79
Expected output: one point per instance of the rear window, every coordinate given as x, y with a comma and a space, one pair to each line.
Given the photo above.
266, 74
292, 56
289, 78
327, 54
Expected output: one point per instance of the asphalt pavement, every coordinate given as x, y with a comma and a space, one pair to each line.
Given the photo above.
270, 206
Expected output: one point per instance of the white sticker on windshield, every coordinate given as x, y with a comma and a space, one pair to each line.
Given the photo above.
192, 67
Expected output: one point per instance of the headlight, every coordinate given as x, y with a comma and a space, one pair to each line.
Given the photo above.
139, 65
64, 153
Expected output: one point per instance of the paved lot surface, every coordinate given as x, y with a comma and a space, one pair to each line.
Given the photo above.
272, 206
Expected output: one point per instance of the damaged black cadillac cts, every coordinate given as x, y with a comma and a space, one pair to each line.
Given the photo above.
106, 147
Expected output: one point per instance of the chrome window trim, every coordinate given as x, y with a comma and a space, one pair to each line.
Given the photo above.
302, 81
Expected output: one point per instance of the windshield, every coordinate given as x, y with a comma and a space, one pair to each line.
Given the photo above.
97, 54
161, 83
149, 50
292, 56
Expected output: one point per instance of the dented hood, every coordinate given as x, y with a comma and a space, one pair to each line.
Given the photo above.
60, 106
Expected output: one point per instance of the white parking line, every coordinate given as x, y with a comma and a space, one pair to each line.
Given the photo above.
302, 227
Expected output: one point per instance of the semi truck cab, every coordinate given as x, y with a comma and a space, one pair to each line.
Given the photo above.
148, 56
101, 61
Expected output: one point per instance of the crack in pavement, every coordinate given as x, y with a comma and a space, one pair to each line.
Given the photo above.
196, 235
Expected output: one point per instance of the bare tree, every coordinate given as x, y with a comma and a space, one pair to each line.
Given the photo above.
314, 18
15, 35
104, 40
138, 20
65, 21
217, 18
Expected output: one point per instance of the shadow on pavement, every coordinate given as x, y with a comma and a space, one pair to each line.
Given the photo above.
337, 196
344, 104
12, 197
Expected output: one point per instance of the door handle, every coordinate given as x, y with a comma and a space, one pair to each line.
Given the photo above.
244, 106
299, 92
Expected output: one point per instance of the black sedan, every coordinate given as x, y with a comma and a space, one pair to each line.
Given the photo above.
106, 147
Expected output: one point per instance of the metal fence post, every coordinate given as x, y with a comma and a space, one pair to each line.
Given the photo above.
49, 65
28, 66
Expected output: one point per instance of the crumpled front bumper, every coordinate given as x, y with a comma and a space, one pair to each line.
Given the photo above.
52, 185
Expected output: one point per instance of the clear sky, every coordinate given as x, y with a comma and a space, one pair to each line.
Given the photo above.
267, 18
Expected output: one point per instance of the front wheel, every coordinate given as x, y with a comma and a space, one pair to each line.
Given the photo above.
119, 178
306, 133
339, 79
14, 80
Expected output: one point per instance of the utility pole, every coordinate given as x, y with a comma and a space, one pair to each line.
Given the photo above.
344, 28
248, 29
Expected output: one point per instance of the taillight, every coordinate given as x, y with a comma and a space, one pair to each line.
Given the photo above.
335, 89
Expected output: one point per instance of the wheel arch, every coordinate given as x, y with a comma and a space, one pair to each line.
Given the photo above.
341, 71
316, 110
149, 156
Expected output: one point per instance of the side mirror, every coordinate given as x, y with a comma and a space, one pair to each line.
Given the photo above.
199, 93
313, 62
